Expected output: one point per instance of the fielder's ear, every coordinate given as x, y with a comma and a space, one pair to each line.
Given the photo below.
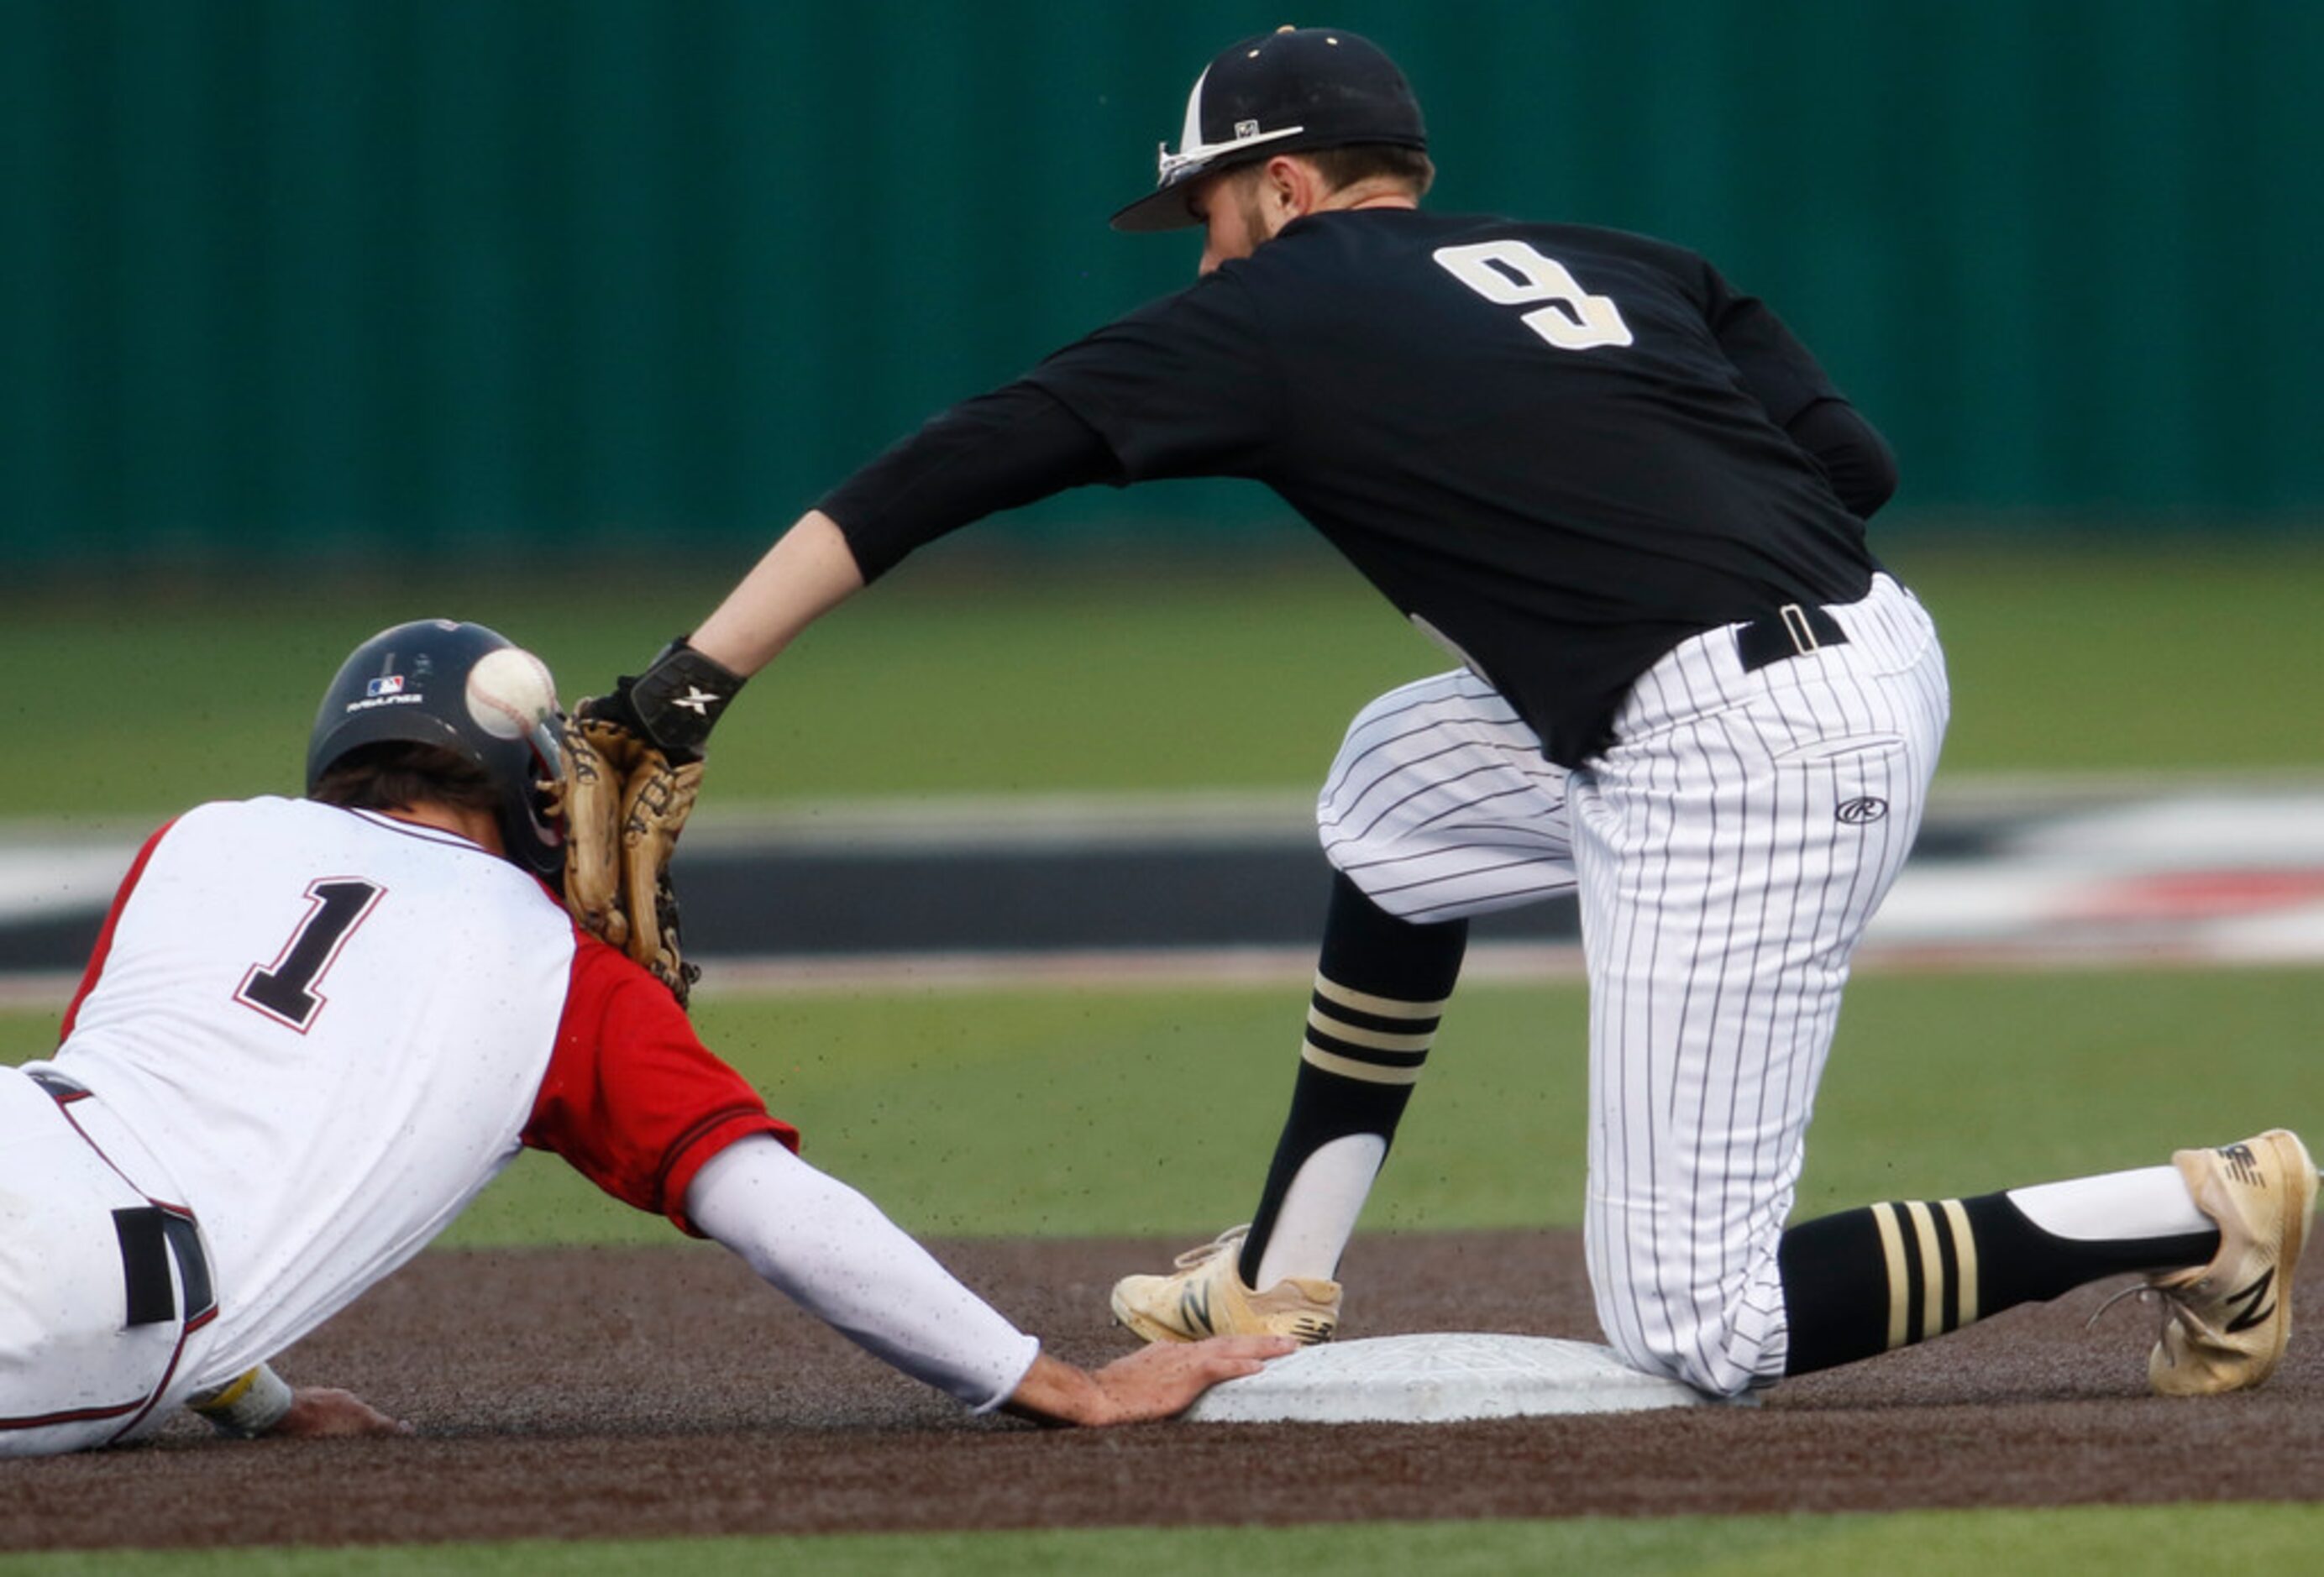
1287, 180
1291, 187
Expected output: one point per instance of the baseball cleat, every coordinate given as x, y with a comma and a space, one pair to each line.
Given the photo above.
1205, 1296
2226, 1323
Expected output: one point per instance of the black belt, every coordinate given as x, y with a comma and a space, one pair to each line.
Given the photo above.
151, 1234
1793, 629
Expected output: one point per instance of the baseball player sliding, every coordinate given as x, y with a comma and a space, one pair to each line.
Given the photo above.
315, 1028
1632, 505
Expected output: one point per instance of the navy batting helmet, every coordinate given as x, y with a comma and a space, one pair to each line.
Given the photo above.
469, 690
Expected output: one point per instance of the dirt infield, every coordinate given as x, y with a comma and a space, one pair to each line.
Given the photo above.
642, 1393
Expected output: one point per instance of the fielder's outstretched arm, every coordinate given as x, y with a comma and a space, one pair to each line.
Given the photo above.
808, 571
999, 451
830, 1249
678, 696
996, 452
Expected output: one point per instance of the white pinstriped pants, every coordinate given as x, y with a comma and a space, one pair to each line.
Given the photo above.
1729, 849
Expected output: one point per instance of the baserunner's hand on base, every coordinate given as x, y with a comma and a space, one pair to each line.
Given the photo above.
1163, 1381
1160, 1381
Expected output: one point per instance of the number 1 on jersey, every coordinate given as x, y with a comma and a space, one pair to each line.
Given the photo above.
1511, 274
285, 990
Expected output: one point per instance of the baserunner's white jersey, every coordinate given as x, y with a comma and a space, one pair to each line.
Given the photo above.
331, 1067
308, 1038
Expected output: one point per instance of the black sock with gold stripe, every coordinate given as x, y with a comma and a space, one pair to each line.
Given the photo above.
1381, 984
1863, 1281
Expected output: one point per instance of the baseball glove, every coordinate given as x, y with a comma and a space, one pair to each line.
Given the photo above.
625, 803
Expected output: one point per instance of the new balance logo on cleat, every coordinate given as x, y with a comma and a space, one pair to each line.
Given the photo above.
1205, 1296
2260, 1194
2249, 1299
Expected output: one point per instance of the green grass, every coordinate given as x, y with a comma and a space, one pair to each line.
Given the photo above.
2117, 1540
2143, 658
1082, 1112
949, 680
951, 683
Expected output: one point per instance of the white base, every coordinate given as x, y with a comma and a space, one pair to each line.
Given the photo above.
1440, 1377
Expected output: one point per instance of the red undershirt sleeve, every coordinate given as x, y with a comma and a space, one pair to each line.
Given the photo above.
633, 1100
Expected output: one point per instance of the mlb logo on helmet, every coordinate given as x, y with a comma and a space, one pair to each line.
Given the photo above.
386, 685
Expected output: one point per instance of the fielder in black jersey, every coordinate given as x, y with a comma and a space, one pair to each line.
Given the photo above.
1631, 505
1560, 521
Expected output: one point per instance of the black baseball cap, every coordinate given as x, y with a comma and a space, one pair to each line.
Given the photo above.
1277, 93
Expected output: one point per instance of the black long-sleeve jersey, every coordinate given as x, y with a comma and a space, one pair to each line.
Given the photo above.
1562, 450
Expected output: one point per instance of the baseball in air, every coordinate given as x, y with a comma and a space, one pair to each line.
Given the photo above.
511, 693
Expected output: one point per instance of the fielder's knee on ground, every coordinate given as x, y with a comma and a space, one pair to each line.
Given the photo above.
1721, 1331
